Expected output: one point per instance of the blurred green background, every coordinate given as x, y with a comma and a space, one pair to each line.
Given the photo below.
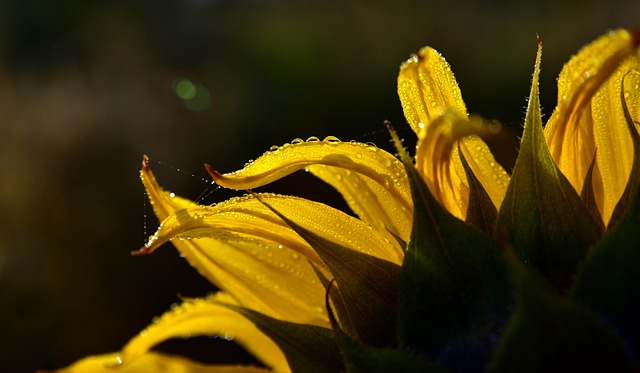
87, 88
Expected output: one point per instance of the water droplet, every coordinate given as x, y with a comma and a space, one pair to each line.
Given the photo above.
274, 148
332, 139
358, 155
118, 360
313, 139
295, 256
171, 195
297, 141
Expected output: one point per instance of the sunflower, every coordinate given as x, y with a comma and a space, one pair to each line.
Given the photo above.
451, 264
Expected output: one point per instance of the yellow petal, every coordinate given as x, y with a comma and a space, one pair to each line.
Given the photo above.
248, 218
589, 116
371, 180
151, 362
205, 317
260, 272
164, 203
371, 201
434, 108
428, 89
243, 248
438, 161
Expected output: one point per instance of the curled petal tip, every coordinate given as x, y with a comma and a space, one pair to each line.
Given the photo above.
144, 250
215, 174
387, 123
145, 162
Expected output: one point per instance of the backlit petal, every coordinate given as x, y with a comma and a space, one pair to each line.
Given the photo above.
205, 317
439, 163
371, 201
589, 116
151, 362
243, 248
434, 108
265, 276
164, 203
371, 180
428, 89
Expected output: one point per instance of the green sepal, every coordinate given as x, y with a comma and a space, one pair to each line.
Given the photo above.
481, 211
542, 216
633, 185
588, 197
307, 348
549, 333
360, 358
454, 287
609, 282
368, 287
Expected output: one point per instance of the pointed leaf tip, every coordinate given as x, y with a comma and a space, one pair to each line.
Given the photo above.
542, 214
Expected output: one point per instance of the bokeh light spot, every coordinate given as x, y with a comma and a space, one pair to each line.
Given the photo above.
184, 89
195, 97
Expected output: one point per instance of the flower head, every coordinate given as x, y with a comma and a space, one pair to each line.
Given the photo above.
427, 275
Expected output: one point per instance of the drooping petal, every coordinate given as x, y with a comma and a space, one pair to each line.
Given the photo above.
248, 218
164, 203
152, 362
243, 248
428, 89
371, 201
589, 116
439, 163
263, 275
192, 318
205, 317
371, 180
434, 108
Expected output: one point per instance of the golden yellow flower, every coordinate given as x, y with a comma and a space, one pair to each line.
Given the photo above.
275, 255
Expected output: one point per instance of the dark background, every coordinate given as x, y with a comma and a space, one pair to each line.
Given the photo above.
87, 88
